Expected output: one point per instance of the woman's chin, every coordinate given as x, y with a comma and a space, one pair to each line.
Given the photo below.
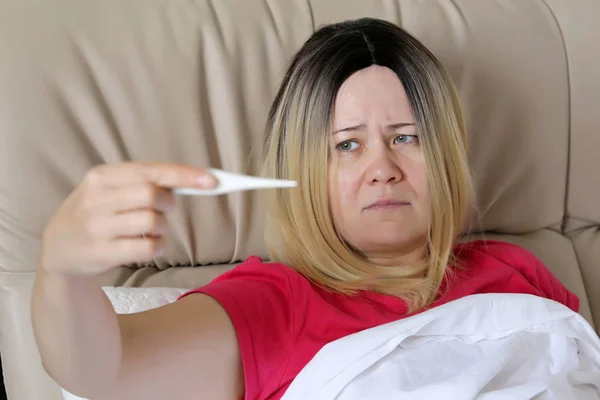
396, 248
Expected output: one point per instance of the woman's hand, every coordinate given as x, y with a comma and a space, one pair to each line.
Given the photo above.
115, 216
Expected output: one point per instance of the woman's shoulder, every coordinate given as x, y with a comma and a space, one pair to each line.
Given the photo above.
479, 250
494, 261
263, 276
260, 299
493, 265
255, 268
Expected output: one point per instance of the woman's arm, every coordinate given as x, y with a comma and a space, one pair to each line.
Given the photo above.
183, 350
117, 216
189, 345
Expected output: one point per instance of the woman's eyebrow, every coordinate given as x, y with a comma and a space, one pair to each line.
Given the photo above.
362, 126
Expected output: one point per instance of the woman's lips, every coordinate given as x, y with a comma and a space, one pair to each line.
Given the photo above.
386, 205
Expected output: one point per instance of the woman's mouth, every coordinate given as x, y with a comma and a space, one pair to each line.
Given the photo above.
386, 205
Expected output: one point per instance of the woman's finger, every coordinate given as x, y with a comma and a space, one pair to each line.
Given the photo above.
102, 228
138, 223
125, 251
166, 175
135, 197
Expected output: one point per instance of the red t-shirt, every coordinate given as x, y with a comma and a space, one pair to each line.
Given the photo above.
282, 320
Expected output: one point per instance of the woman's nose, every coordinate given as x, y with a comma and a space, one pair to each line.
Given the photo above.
383, 169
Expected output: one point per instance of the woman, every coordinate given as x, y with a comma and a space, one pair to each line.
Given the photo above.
368, 123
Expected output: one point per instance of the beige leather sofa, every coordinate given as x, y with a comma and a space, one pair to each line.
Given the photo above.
89, 82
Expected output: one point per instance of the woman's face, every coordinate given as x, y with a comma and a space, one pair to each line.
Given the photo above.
377, 175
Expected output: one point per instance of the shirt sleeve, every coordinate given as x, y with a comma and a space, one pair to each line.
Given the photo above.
535, 272
258, 298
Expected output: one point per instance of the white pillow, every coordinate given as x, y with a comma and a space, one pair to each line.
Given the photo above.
127, 300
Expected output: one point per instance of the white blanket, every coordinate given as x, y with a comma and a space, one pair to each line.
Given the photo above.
486, 347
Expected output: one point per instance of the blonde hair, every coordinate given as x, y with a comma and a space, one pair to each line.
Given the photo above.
299, 229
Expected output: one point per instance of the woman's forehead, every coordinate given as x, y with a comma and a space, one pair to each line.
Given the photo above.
372, 94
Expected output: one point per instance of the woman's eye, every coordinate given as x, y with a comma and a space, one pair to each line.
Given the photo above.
348, 145
405, 139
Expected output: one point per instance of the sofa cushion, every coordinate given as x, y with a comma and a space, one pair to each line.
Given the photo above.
192, 82
579, 28
587, 249
24, 376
